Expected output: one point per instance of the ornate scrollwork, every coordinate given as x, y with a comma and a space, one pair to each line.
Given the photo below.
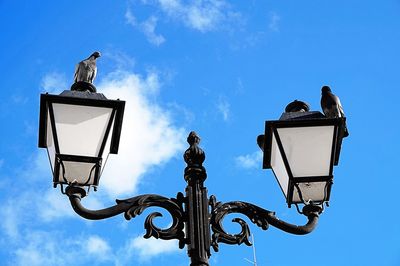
135, 206
259, 216
219, 210
174, 206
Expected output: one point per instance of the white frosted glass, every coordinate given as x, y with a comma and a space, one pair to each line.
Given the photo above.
278, 166
51, 151
80, 129
315, 191
77, 171
308, 149
106, 152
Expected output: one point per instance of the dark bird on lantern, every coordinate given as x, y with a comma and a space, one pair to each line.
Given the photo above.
86, 70
332, 107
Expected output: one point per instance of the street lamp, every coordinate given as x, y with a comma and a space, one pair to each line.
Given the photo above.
301, 148
80, 128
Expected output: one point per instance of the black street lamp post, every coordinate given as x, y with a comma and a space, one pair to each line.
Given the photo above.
300, 140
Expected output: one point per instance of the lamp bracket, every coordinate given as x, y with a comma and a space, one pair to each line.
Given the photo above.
135, 206
259, 216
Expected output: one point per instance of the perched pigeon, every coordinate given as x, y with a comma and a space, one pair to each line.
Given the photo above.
331, 106
86, 70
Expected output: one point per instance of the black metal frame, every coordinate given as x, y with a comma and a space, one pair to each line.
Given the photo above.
197, 220
81, 99
293, 183
59, 166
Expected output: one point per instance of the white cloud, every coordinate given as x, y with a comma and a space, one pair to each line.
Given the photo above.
148, 136
10, 219
54, 83
99, 248
274, 20
149, 248
203, 15
120, 59
54, 205
249, 161
148, 27
130, 18
41, 248
223, 107
200, 15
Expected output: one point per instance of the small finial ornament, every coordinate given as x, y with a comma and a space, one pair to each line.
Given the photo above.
297, 106
194, 155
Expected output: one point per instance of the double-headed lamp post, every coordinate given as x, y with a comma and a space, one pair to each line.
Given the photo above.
80, 128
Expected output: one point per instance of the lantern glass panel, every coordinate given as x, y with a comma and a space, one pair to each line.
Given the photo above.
80, 129
315, 191
77, 172
308, 149
278, 166
107, 146
51, 150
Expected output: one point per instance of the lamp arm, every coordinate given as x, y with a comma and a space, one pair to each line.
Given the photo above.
259, 216
135, 206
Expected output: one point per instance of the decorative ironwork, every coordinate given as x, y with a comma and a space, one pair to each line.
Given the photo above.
196, 206
192, 212
135, 206
259, 216
194, 155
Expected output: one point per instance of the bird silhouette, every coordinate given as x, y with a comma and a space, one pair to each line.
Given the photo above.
86, 70
332, 107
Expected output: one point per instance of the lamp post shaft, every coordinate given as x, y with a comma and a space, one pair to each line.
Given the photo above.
196, 205
197, 225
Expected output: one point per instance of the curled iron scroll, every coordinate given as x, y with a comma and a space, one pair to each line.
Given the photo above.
174, 206
259, 216
135, 206
219, 210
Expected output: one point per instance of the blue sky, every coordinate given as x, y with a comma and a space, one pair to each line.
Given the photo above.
220, 68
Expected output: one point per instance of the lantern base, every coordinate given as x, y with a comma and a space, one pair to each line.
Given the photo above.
76, 191
311, 209
83, 86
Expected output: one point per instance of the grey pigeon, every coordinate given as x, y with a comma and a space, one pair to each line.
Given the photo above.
332, 107
86, 70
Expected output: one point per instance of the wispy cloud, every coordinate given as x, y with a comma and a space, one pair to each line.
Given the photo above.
10, 220
199, 15
41, 248
149, 248
98, 247
223, 108
274, 20
54, 83
249, 161
54, 205
148, 27
120, 60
